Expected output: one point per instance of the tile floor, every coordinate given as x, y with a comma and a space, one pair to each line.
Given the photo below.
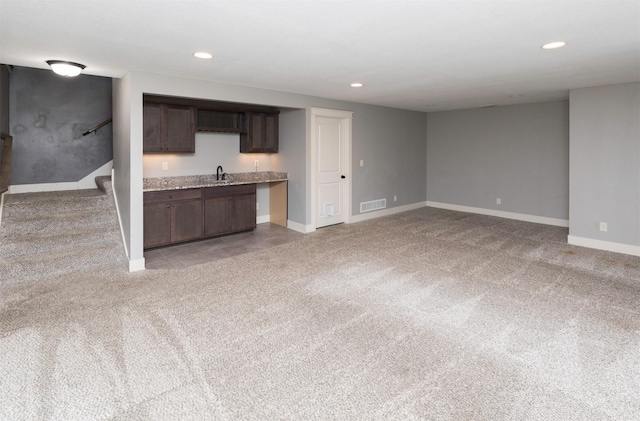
188, 254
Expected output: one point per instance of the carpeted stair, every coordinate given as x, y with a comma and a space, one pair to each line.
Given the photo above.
53, 233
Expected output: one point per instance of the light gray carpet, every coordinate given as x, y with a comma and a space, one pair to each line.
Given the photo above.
429, 314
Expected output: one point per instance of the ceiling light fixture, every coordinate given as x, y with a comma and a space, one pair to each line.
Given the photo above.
553, 45
66, 68
357, 85
203, 55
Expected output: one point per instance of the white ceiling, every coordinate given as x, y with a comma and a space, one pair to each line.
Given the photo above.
422, 55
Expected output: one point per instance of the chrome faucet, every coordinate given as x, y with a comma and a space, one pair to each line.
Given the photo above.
218, 171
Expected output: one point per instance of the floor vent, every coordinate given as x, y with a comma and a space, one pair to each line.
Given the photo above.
373, 205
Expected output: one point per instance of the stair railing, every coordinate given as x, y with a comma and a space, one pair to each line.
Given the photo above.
5, 163
95, 128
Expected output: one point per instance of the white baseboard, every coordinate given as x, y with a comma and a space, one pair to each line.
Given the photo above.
88, 182
385, 212
604, 245
296, 226
263, 219
136, 265
502, 214
1, 206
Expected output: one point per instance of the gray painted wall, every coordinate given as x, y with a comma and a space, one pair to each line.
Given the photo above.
292, 146
605, 163
392, 144
519, 153
48, 114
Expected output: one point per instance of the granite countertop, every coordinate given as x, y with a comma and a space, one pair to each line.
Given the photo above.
209, 180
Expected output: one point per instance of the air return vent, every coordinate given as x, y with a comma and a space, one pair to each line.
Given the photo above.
373, 205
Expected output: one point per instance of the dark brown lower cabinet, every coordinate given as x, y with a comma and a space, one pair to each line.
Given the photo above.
229, 209
174, 216
157, 221
186, 220
217, 215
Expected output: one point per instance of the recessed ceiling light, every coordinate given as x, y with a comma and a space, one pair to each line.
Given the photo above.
203, 55
553, 45
357, 85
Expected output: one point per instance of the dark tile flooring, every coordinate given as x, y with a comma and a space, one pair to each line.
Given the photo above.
184, 255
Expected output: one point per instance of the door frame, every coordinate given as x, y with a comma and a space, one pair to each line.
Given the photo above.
346, 117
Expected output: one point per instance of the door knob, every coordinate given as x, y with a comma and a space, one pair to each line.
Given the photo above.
343, 176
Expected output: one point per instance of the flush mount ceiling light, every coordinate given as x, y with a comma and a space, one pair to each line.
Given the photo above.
553, 45
356, 85
203, 55
66, 68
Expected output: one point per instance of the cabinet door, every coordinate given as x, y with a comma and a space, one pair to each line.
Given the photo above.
168, 128
180, 129
157, 224
270, 138
255, 132
152, 129
244, 212
217, 216
262, 133
186, 220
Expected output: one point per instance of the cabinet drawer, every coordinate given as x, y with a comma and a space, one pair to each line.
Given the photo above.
169, 195
222, 191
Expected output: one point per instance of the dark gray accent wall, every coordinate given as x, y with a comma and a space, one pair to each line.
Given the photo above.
48, 114
4, 98
518, 153
4, 102
605, 163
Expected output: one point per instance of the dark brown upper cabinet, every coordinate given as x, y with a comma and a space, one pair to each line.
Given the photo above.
168, 128
261, 135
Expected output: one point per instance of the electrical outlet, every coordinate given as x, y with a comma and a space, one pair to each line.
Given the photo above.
395, 198
257, 206
603, 226
498, 201
362, 163
165, 166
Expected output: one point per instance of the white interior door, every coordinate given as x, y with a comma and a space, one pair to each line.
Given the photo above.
332, 169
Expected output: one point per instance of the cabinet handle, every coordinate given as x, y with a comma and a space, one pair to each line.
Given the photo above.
168, 206
170, 196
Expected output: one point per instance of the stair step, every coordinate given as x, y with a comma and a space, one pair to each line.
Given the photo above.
19, 227
43, 244
52, 196
39, 267
31, 209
